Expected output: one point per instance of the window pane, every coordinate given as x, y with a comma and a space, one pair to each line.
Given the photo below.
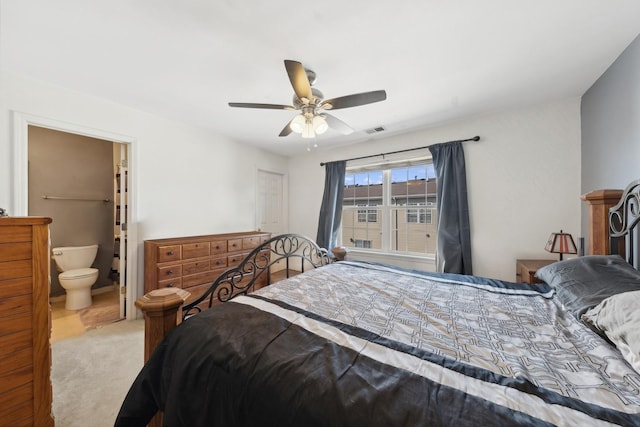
361, 228
414, 185
411, 232
363, 189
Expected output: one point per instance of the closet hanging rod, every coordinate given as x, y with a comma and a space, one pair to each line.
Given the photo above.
475, 138
75, 198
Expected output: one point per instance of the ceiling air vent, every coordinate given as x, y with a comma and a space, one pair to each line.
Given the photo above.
374, 130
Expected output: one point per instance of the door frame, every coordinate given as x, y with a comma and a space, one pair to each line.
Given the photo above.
20, 184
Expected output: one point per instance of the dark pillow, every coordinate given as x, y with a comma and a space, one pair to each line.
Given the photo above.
582, 283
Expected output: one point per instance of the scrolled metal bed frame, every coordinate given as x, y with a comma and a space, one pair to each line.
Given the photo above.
288, 251
623, 218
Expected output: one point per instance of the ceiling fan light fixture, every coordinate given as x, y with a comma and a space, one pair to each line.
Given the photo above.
310, 103
320, 125
308, 131
298, 123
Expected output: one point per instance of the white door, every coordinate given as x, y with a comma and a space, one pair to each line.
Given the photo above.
270, 206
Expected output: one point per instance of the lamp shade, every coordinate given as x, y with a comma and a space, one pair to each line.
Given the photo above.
320, 125
297, 124
561, 243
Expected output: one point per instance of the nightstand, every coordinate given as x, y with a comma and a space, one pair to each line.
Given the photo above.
526, 269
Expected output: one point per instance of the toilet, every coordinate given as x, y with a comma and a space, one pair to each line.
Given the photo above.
77, 276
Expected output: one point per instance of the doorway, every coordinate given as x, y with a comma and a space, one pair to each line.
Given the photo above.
121, 147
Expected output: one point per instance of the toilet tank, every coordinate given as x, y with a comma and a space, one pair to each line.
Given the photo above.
74, 257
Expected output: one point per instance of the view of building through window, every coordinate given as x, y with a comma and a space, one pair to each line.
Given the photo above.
391, 209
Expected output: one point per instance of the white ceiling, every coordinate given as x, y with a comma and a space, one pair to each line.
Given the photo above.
438, 60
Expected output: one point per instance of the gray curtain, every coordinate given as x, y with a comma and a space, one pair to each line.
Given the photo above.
453, 254
331, 209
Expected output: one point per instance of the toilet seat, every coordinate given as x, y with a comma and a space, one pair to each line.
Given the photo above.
79, 273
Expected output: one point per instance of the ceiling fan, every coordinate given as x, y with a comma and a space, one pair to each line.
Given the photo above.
313, 118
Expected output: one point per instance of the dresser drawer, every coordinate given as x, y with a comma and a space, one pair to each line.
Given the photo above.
233, 260
15, 251
15, 322
15, 342
15, 233
14, 287
169, 272
195, 250
218, 262
234, 245
169, 253
171, 283
199, 279
15, 269
16, 304
195, 267
218, 247
251, 242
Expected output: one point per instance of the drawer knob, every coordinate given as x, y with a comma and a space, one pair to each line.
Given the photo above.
170, 285
170, 253
169, 272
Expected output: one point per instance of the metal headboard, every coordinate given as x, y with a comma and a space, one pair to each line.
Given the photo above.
623, 219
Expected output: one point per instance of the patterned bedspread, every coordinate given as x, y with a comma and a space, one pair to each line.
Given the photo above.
397, 348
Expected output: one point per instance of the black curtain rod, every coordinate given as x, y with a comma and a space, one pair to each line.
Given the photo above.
475, 138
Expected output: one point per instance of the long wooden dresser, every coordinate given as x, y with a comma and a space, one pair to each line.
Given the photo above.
25, 350
192, 263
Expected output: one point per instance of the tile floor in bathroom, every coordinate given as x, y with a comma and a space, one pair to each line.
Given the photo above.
70, 323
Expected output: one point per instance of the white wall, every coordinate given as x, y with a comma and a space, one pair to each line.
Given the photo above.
523, 180
185, 181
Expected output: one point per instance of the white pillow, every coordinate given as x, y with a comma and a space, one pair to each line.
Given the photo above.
619, 318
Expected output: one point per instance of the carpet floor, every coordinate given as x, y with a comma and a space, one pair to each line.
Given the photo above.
92, 373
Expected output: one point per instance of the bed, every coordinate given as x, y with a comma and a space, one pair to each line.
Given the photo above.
353, 343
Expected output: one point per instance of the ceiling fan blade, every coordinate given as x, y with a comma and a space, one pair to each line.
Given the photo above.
354, 100
337, 124
298, 79
287, 129
266, 106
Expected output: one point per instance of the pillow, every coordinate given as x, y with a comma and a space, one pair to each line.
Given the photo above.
584, 282
619, 318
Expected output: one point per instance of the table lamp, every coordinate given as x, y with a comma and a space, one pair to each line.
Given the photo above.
561, 243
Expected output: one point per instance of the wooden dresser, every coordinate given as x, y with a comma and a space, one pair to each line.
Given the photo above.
25, 351
192, 263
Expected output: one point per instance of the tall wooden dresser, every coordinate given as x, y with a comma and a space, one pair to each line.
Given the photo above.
25, 351
192, 263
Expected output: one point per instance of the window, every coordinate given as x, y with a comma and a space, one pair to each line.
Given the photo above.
390, 208
421, 216
367, 215
359, 243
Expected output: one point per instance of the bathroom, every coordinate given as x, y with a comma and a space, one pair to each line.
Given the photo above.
74, 179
